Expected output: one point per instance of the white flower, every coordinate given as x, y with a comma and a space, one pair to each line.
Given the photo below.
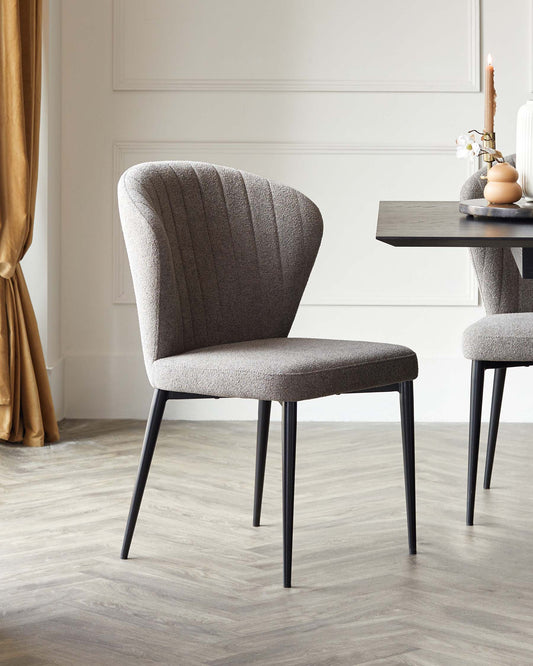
468, 146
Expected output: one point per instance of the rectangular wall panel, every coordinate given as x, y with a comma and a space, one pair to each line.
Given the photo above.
325, 45
346, 182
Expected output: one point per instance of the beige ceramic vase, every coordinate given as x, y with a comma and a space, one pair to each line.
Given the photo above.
502, 187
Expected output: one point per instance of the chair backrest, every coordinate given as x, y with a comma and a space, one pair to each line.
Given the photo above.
501, 285
217, 255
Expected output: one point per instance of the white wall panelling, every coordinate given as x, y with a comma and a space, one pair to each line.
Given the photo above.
296, 45
346, 181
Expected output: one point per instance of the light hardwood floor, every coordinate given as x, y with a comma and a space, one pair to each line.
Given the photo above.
204, 587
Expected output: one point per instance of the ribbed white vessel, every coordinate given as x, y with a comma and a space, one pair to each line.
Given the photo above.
524, 148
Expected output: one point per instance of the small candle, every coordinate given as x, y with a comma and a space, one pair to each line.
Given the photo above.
490, 96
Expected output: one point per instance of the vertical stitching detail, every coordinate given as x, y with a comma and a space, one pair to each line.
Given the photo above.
278, 244
158, 279
252, 226
206, 224
187, 225
174, 264
302, 226
236, 263
158, 353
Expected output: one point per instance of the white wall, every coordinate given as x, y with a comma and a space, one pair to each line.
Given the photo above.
350, 101
42, 263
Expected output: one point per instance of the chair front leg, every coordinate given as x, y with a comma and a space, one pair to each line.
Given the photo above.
495, 410
263, 423
157, 409
476, 402
408, 441
289, 460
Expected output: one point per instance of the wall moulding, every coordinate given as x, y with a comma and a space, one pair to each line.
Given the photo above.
126, 31
126, 153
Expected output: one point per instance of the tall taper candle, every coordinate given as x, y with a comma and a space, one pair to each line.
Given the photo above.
490, 96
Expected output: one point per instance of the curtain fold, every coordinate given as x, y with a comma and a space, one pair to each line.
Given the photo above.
26, 408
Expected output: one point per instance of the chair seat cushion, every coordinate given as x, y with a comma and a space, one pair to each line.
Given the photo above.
501, 337
285, 369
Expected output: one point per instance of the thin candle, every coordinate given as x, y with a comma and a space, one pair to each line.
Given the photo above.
490, 96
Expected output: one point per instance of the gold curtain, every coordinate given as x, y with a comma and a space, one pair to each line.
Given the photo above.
26, 408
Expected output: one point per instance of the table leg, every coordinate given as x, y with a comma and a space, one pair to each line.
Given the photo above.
524, 260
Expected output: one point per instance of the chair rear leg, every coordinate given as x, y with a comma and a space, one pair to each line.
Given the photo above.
476, 401
150, 438
495, 410
408, 441
263, 423
289, 459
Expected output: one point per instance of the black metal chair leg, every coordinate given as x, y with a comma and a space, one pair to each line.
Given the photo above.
150, 438
495, 410
408, 441
476, 401
263, 423
289, 459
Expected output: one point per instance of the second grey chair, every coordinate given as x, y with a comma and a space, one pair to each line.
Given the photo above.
220, 259
502, 340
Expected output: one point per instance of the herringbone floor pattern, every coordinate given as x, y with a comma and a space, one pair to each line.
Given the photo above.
204, 587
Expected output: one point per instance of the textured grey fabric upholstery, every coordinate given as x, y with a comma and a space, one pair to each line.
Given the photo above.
286, 369
502, 288
217, 255
220, 258
504, 337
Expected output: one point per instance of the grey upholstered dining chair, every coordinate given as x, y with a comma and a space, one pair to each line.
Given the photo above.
501, 340
220, 259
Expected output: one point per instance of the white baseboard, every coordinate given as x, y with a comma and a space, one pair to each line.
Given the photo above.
56, 377
104, 386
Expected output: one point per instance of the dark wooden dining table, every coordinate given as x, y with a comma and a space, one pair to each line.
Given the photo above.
440, 224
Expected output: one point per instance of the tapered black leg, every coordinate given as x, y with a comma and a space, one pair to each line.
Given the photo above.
150, 438
476, 401
408, 441
289, 459
263, 423
496, 408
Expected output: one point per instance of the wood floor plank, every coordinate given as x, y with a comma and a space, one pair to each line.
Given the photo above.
204, 587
